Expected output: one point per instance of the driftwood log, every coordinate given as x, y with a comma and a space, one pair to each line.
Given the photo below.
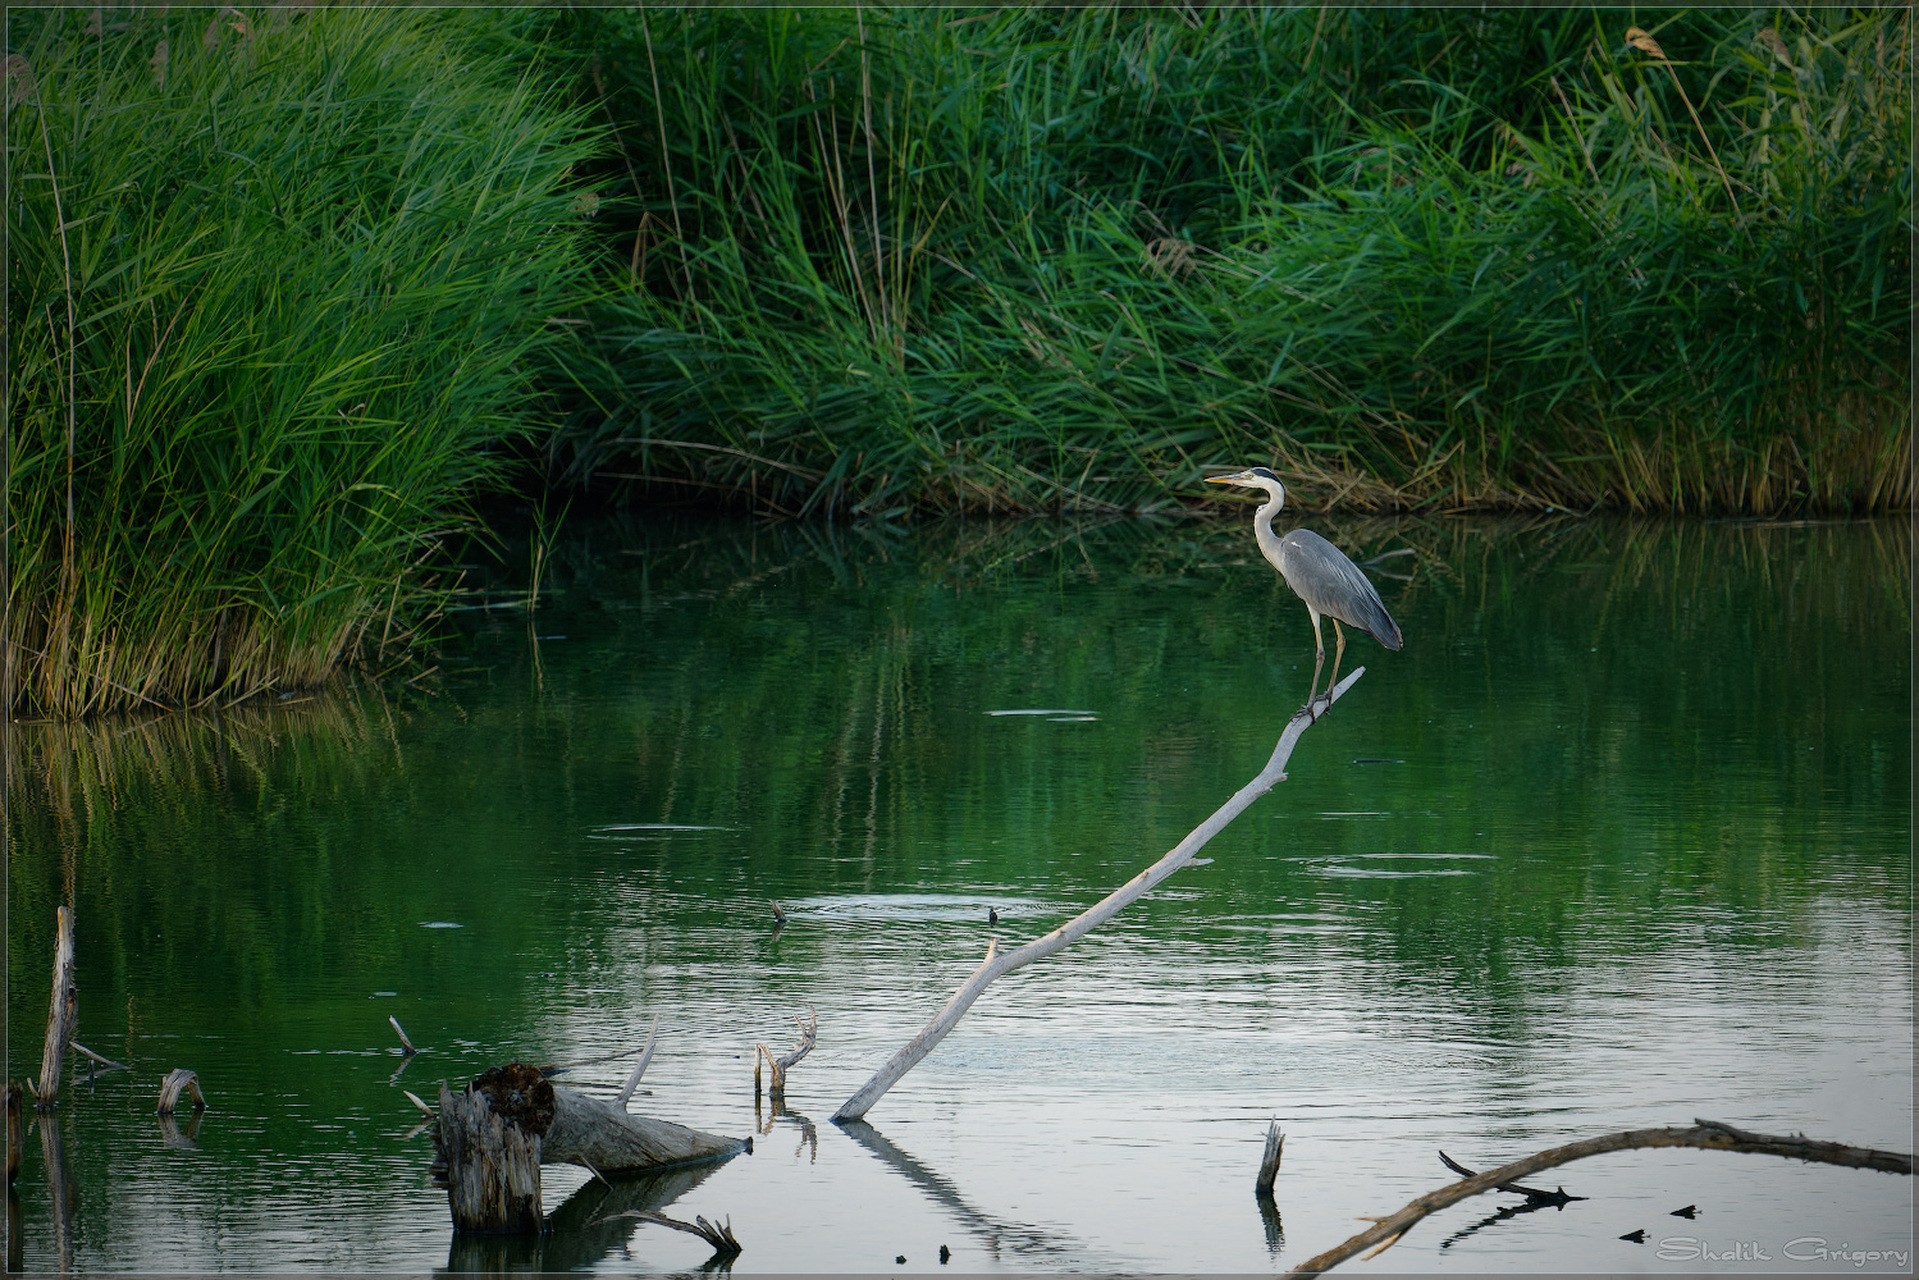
997, 962
62, 1014
1705, 1135
491, 1149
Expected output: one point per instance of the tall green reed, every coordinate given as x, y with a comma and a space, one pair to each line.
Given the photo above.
1032, 259
280, 284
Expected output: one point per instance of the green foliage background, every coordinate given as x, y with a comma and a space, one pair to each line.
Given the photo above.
1026, 259
276, 287
288, 289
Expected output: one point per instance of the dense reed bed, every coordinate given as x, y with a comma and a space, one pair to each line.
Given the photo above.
897, 260
277, 286
289, 286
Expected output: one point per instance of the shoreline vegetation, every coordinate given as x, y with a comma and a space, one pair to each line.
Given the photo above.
292, 291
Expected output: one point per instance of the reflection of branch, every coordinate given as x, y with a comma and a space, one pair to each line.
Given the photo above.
1025, 1239
1557, 1196
1503, 1213
809, 1135
583, 1234
717, 1234
995, 963
1705, 1135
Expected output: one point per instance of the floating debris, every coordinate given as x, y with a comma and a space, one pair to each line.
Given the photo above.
1044, 711
659, 826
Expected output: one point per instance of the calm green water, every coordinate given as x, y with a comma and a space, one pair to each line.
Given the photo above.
1621, 838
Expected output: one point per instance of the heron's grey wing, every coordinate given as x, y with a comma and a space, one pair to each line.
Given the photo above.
1322, 575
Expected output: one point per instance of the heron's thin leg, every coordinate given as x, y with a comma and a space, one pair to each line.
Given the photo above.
1319, 655
1339, 651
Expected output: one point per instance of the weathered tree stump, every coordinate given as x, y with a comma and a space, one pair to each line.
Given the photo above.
62, 1013
490, 1155
492, 1165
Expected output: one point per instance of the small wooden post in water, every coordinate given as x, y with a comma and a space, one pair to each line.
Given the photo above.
1269, 1162
62, 1013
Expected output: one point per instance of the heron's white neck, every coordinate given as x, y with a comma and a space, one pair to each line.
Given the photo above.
1263, 521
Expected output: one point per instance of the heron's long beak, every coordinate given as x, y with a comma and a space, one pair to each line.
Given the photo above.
1221, 479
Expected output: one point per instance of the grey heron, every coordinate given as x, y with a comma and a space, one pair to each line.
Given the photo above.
1319, 574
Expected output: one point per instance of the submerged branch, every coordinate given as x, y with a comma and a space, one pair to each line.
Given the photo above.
997, 962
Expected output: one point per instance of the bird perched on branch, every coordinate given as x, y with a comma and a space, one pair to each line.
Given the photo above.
1319, 574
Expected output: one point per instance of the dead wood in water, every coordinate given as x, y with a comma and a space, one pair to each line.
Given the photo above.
997, 963
1269, 1161
777, 1068
609, 1139
639, 1068
406, 1045
96, 1059
717, 1234
1537, 1195
483, 1152
179, 1081
597, 1135
1704, 1135
62, 1014
493, 1166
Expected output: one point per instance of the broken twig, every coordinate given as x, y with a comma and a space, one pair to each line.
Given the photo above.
406, 1045
646, 1056
719, 1235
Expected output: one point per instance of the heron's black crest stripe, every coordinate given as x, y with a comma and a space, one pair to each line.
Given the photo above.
1263, 473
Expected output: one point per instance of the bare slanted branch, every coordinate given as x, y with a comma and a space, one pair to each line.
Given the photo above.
1705, 1135
998, 962
646, 1056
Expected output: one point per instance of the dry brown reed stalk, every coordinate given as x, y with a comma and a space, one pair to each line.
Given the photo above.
1638, 39
66, 265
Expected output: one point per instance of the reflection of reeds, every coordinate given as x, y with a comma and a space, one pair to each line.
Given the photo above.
72, 771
